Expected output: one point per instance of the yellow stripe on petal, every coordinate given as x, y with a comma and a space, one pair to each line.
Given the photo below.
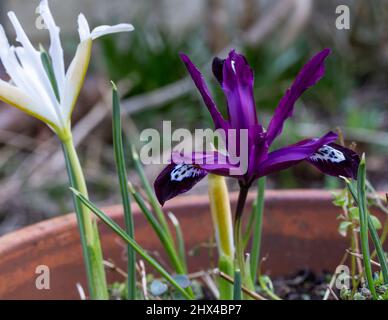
75, 77
18, 99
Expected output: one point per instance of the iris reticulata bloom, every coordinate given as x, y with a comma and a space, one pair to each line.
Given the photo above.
48, 95
236, 79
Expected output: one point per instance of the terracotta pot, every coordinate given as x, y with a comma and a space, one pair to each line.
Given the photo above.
300, 230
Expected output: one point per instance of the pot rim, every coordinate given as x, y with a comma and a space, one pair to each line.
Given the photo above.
57, 225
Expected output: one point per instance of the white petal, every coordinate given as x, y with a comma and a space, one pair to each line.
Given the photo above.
20, 34
31, 61
19, 76
103, 30
75, 76
56, 51
17, 98
83, 28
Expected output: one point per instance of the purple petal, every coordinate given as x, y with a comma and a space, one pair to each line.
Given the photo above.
288, 156
310, 74
212, 162
197, 77
336, 160
217, 67
176, 179
237, 84
186, 171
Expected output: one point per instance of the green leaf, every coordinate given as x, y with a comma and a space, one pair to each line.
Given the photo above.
179, 239
161, 233
376, 222
354, 213
123, 235
361, 200
343, 228
122, 176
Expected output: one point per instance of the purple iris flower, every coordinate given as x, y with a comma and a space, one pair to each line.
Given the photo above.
236, 79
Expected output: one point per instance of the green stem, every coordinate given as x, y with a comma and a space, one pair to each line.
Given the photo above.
353, 260
237, 285
256, 241
122, 175
90, 241
268, 291
242, 197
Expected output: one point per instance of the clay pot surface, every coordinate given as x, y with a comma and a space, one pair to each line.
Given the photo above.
300, 231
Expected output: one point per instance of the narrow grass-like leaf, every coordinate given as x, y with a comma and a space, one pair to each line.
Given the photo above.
372, 229
179, 239
150, 193
257, 231
364, 226
379, 249
249, 227
122, 234
125, 198
237, 285
164, 239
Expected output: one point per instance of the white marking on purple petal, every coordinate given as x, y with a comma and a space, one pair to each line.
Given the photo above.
329, 154
184, 171
232, 63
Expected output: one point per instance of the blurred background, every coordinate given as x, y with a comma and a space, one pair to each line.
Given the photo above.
277, 37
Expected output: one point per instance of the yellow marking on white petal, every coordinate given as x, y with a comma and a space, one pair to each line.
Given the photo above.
75, 76
18, 99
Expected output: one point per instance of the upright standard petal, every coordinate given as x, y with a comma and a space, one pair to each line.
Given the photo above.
56, 51
237, 84
336, 160
219, 121
286, 157
83, 28
75, 76
310, 74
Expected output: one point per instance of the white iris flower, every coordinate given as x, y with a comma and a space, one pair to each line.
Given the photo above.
31, 89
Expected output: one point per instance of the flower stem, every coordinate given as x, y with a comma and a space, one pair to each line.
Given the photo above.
353, 260
242, 197
256, 241
90, 241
